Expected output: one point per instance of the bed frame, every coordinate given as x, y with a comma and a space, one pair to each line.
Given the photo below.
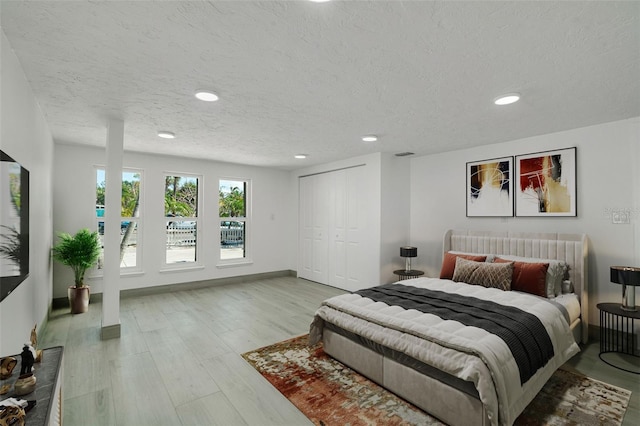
434, 396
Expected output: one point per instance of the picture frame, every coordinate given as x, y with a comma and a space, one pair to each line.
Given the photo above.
546, 184
14, 224
489, 189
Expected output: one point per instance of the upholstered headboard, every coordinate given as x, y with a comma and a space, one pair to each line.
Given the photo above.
570, 248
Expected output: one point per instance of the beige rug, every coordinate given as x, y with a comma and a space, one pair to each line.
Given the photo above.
329, 393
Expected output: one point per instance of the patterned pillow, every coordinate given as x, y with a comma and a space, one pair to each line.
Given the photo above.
495, 275
464, 268
449, 263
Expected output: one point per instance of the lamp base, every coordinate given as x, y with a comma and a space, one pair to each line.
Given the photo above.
407, 264
628, 298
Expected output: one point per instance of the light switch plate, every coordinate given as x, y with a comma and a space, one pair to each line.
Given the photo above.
620, 217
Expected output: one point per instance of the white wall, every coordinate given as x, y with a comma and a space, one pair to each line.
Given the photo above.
395, 214
25, 136
271, 233
607, 179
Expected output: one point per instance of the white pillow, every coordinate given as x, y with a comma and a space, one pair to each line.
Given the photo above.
555, 273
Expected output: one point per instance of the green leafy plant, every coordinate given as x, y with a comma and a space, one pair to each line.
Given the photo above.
80, 252
180, 196
232, 203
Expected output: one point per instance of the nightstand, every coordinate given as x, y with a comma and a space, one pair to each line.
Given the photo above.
405, 275
617, 333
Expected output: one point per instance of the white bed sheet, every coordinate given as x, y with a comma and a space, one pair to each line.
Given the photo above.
571, 303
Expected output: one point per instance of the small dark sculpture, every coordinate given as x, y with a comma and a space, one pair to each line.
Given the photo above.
27, 359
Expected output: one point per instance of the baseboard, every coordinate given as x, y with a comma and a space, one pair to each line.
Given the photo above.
63, 302
59, 303
42, 327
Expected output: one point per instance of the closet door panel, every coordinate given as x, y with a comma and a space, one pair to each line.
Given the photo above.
305, 214
321, 200
356, 221
337, 226
313, 227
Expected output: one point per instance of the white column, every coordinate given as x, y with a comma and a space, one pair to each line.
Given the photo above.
113, 194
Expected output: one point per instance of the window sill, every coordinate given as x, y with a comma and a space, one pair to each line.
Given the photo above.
181, 269
125, 274
132, 274
232, 264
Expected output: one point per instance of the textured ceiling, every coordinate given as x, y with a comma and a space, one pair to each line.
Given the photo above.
301, 77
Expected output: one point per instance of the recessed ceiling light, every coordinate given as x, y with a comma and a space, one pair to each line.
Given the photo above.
166, 135
206, 96
369, 138
507, 99
300, 156
319, 1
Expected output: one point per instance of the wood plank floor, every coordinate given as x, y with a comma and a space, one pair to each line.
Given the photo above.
178, 359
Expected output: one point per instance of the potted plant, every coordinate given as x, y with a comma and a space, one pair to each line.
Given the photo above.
80, 252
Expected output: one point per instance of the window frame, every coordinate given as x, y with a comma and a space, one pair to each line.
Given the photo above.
197, 263
139, 220
246, 219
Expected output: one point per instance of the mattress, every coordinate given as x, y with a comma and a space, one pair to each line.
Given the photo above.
402, 358
571, 303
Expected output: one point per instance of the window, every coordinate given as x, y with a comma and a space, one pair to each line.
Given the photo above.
233, 218
181, 194
130, 217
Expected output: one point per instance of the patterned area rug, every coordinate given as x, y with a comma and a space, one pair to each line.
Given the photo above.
329, 393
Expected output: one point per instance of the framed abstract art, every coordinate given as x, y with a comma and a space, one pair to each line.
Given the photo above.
546, 183
490, 188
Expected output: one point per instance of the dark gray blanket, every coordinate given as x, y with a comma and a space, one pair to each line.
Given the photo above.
523, 333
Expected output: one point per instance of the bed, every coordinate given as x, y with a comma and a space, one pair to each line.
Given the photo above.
459, 372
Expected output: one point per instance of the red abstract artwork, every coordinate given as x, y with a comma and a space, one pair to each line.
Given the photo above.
546, 183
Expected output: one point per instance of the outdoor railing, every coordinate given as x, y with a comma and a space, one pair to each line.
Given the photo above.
180, 236
187, 237
231, 236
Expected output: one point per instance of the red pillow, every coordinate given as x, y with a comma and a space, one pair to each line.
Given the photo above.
528, 277
449, 263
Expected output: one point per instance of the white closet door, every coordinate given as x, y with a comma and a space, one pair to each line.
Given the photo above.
355, 230
338, 264
333, 224
305, 201
314, 223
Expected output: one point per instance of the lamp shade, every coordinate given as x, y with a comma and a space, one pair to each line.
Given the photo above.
408, 251
627, 275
